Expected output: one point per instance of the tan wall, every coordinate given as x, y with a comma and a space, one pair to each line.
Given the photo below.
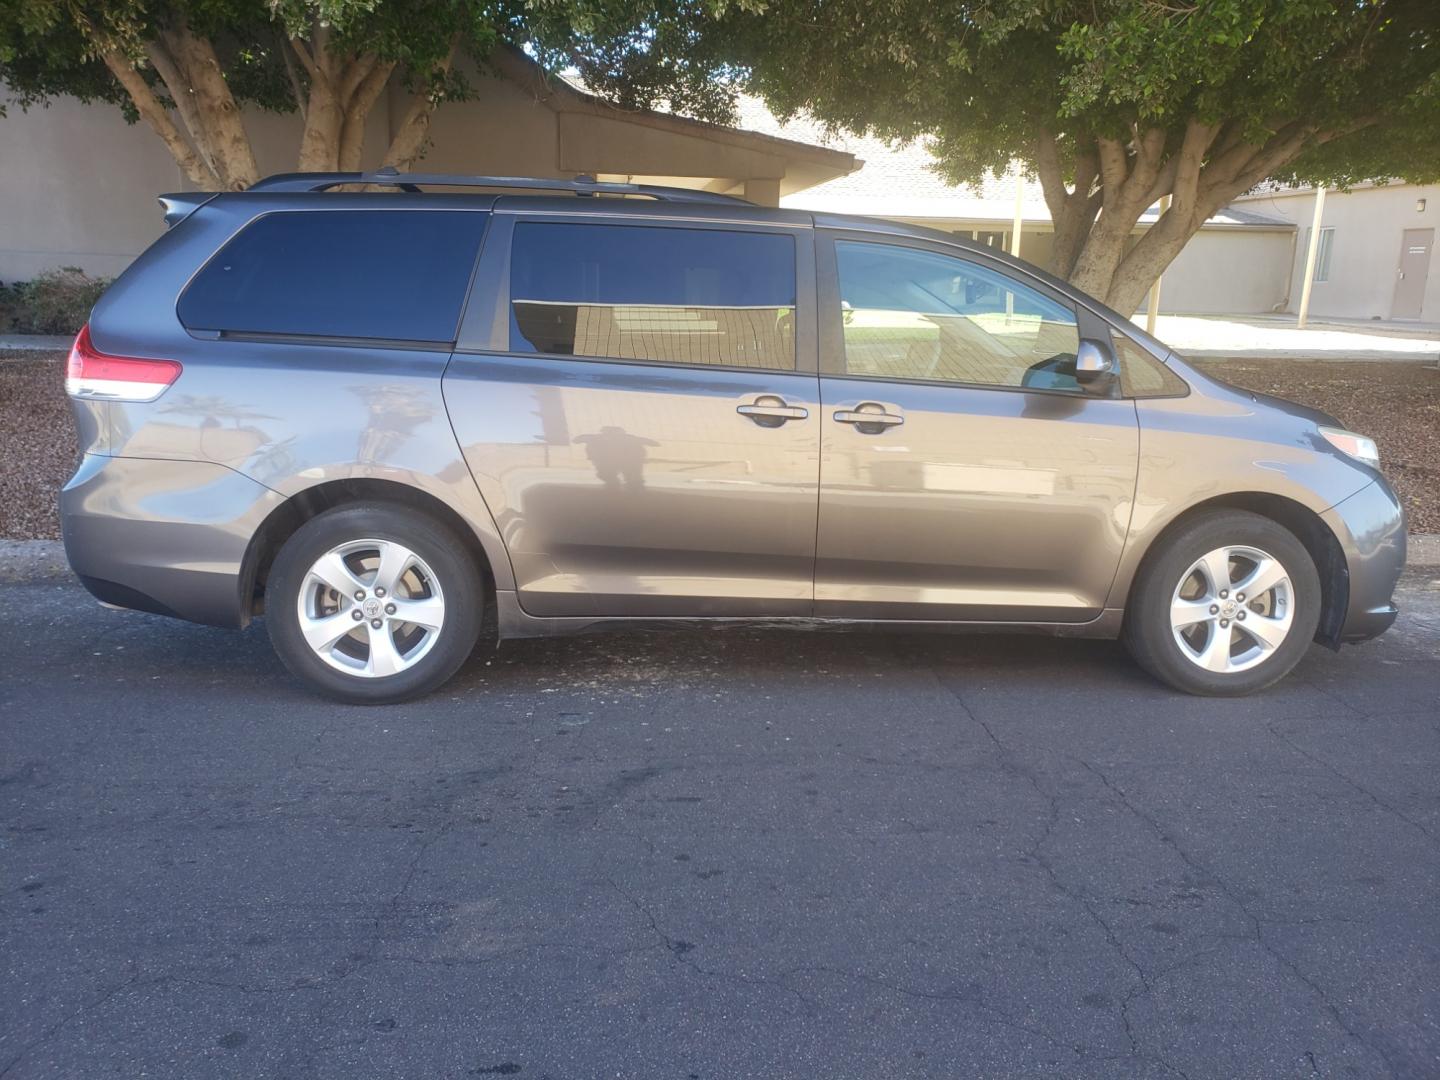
79, 184
1228, 272
77, 188
1368, 223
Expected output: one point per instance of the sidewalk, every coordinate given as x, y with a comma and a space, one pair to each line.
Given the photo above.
36, 342
1265, 336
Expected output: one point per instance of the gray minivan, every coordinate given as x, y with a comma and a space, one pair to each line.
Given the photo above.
375, 415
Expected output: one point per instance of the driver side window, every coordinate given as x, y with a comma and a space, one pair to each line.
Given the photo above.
917, 315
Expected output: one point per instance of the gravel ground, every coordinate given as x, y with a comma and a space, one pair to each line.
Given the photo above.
1399, 404
37, 436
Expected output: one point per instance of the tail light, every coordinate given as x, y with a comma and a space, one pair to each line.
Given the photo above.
93, 374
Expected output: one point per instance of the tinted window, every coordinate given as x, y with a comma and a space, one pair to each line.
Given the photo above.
680, 296
912, 314
397, 274
1141, 375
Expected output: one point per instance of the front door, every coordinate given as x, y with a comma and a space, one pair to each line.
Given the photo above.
1412, 272
964, 473
645, 428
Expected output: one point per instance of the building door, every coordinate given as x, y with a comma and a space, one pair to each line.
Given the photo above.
1410, 274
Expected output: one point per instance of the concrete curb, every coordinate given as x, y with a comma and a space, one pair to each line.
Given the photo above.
26, 562
34, 343
32, 562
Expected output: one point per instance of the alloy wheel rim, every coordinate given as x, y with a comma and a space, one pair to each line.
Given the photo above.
371, 608
1232, 609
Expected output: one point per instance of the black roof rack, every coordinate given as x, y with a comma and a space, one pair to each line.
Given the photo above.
581, 185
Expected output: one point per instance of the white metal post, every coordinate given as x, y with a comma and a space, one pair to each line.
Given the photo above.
1015, 228
1019, 215
1311, 251
1152, 309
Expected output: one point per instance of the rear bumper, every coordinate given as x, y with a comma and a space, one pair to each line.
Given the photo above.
1370, 526
164, 536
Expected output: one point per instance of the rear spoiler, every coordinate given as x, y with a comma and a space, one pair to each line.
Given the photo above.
179, 205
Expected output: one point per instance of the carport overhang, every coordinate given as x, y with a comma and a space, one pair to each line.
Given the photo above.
649, 147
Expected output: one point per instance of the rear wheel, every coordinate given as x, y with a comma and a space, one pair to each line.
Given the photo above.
1226, 605
371, 603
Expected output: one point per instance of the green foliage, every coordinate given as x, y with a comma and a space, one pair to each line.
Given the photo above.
56, 302
643, 53
984, 77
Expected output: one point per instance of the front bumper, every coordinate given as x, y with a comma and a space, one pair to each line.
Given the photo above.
164, 536
1370, 526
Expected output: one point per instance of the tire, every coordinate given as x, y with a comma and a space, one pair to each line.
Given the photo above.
1176, 626
433, 580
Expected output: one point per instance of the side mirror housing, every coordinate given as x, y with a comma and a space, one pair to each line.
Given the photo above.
1094, 364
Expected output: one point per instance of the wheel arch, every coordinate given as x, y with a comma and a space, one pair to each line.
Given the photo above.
306, 504
1307, 526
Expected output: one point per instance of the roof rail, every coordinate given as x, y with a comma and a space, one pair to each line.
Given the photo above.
389, 177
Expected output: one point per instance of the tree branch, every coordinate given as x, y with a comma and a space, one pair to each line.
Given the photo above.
357, 111
195, 168
307, 60
409, 140
183, 95
356, 72
225, 135
287, 52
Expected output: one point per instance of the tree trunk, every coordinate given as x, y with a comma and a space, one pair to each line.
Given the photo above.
408, 142
1103, 250
362, 100
196, 169
320, 140
1147, 260
219, 117
1072, 228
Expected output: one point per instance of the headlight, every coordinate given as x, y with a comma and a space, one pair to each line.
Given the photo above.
1357, 446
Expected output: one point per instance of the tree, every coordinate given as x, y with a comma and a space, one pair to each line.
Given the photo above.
1115, 103
187, 67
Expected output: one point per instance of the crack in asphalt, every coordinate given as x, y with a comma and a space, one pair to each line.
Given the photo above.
1010, 763
1346, 778
1256, 922
54, 1029
679, 950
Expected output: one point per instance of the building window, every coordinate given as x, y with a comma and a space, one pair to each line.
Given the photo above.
1322, 255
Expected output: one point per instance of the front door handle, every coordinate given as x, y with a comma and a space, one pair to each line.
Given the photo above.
770, 410
869, 418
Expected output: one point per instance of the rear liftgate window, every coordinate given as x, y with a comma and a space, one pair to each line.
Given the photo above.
704, 297
397, 275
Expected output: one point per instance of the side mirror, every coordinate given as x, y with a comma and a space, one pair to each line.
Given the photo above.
1094, 364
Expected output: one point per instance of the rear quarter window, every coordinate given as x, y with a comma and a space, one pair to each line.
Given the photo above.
395, 275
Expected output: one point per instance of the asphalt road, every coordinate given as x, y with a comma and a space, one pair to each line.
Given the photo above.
722, 855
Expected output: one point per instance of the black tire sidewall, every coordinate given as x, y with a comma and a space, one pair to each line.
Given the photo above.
1148, 633
436, 545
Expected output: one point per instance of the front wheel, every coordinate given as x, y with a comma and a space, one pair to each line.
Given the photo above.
372, 604
1227, 605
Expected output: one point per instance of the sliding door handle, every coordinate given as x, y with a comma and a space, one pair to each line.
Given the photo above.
869, 417
770, 410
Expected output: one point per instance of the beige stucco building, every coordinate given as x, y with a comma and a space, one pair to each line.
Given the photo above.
79, 187
1377, 242
79, 184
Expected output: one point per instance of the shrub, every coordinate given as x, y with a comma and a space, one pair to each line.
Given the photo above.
56, 302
